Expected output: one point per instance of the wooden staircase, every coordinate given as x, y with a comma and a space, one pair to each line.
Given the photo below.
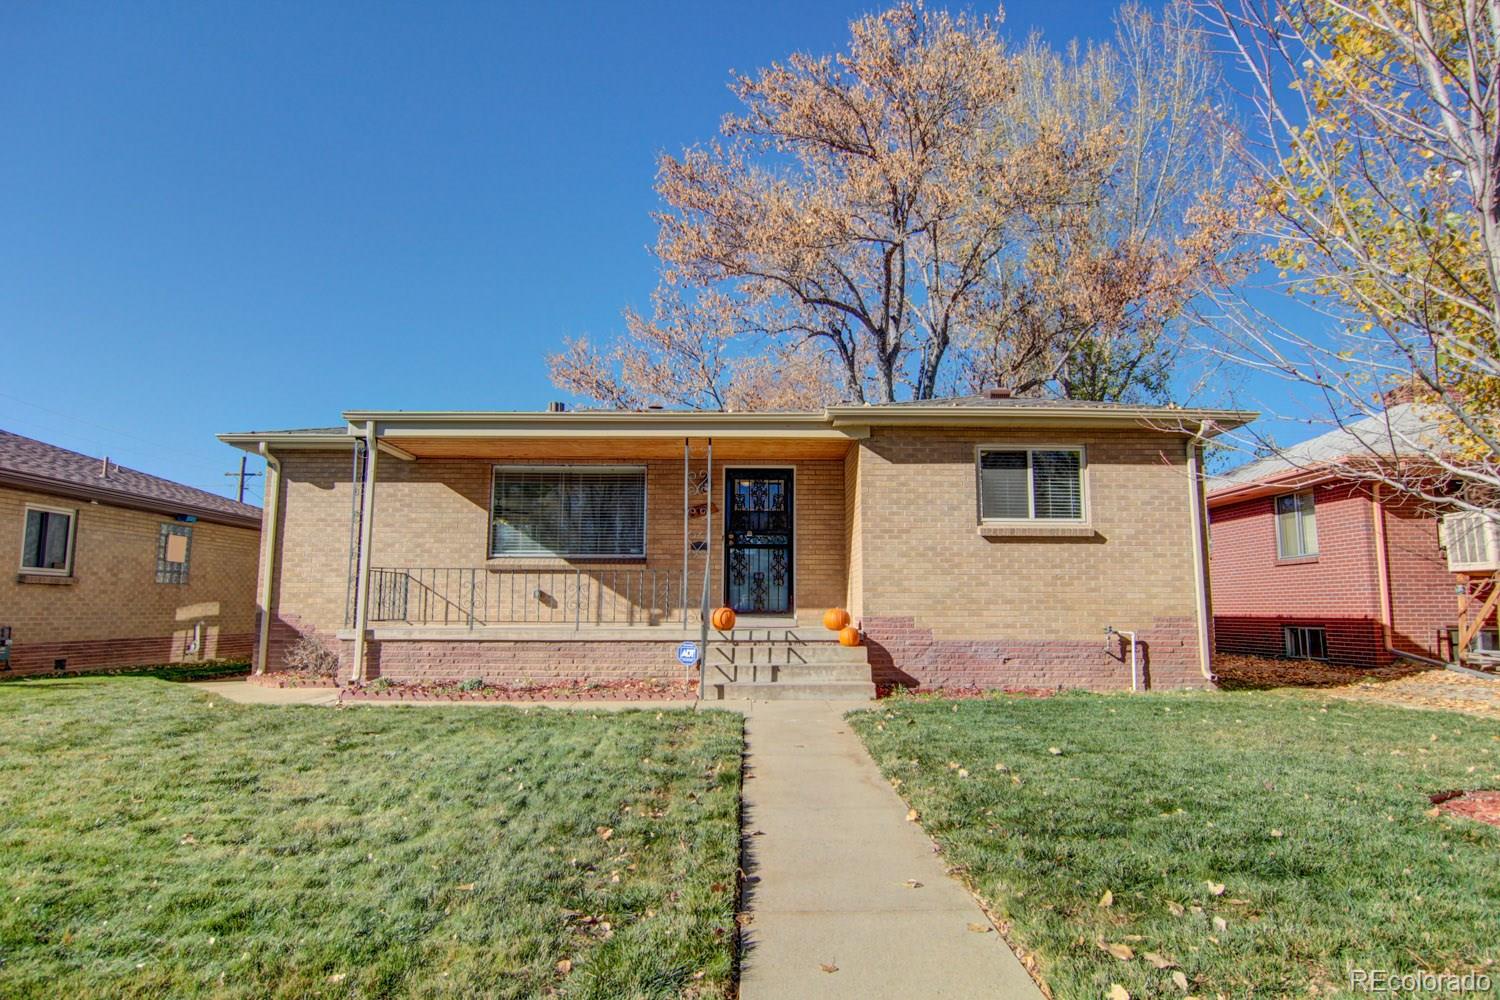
768, 664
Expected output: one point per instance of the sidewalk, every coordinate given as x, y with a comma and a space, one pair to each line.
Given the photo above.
827, 841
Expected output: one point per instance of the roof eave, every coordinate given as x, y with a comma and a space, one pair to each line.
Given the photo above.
117, 498
1209, 422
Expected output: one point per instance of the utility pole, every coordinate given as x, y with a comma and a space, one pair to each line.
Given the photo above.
243, 474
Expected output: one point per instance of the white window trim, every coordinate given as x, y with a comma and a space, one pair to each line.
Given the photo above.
72, 515
1086, 502
1276, 524
489, 525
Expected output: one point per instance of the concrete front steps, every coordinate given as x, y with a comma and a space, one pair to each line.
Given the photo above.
783, 664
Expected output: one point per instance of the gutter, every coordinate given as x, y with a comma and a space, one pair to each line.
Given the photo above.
269, 521
1197, 504
1383, 576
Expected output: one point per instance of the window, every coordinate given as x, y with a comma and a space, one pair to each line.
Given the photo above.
1296, 526
1044, 484
1306, 642
576, 511
174, 545
47, 545
1486, 640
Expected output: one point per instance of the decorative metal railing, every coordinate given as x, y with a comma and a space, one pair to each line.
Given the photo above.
477, 596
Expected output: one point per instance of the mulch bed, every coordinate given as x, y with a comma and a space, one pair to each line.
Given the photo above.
292, 679
626, 690
1403, 685
1236, 670
1483, 805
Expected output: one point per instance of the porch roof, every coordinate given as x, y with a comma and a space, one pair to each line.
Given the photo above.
643, 433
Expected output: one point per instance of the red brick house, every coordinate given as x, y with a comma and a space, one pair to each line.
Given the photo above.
976, 542
1309, 560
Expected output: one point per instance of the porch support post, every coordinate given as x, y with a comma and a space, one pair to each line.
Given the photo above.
362, 570
708, 562
687, 487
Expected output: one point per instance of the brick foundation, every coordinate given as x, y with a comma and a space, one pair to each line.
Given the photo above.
902, 653
509, 662
33, 658
1355, 642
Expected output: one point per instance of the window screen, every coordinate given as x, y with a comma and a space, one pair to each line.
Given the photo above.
45, 546
1032, 483
1296, 526
173, 550
568, 511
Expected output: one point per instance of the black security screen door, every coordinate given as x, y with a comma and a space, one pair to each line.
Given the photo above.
758, 540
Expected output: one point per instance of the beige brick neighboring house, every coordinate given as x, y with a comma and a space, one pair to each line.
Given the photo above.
984, 541
112, 567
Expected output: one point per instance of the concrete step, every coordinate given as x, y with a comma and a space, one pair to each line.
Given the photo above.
824, 691
787, 673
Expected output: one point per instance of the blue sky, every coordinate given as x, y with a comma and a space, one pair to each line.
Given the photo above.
227, 217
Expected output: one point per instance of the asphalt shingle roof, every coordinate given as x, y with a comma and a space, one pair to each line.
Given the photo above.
1401, 431
69, 471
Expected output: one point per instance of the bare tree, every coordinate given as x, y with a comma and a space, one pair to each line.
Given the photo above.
1377, 201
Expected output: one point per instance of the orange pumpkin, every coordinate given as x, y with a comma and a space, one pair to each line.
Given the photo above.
848, 636
722, 619
835, 619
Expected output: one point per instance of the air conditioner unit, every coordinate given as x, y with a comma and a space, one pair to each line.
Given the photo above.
1473, 542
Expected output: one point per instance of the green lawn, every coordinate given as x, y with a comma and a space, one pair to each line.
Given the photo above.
159, 842
1312, 816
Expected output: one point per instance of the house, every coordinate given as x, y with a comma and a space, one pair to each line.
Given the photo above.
1310, 558
113, 567
981, 541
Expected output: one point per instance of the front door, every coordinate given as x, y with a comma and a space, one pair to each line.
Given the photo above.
758, 540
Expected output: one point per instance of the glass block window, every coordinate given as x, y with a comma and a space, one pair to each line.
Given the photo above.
1043, 484
47, 544
577, 511
174, 544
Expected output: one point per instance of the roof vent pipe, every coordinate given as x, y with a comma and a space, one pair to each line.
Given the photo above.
104, 468
997, 392
556, 406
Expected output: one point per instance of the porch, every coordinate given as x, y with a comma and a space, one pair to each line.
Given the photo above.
508, 552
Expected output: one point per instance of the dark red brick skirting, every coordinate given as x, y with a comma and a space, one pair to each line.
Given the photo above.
30, 658
903, 653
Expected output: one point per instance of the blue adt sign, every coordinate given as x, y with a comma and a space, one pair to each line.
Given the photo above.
687, 653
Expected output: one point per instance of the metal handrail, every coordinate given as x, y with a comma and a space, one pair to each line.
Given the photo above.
475, 596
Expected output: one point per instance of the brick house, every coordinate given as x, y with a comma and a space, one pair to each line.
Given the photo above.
1309, 559
113, 567
982, 541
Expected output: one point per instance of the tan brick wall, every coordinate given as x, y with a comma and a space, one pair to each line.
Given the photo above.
949, 605
434, 513
114, 613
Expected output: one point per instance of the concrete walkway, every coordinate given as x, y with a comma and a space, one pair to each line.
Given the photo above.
257, 694
831, 853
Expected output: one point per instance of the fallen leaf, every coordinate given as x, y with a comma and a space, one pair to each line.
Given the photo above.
1220, 924
1108, 899
963, 772
911, 815
1276, 833
829, 967
1216, 888
565, 966
912, 883
1175, 908
1180, 981
1121, 951
1055, 751
1158, 961
188, 838
466, 887
338, 977
1118, 992
605, 832
1001, 767
980, 928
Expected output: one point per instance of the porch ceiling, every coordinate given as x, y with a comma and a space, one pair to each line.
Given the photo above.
616, 447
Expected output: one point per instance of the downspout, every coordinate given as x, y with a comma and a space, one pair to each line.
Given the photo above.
1200, 543
269, 520
1383, 575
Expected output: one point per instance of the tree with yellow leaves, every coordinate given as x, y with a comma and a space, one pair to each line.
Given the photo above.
1377, 200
